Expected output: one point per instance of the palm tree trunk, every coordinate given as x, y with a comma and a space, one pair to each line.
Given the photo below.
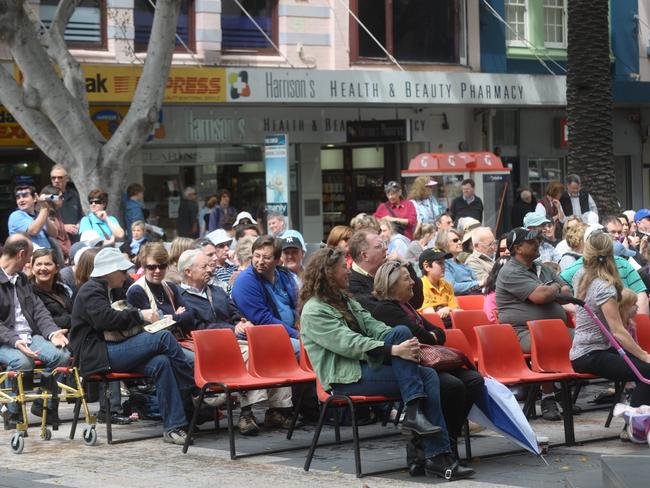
589, 100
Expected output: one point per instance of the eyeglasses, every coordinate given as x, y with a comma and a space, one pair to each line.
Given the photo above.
96, 202
58, 177
23, 194
154, 267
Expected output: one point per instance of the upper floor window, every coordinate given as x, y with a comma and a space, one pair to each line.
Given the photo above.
143, 12
517, 18
87, 26
555, 23
240, 34
410, 30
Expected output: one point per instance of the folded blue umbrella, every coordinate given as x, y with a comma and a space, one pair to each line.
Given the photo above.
498, 410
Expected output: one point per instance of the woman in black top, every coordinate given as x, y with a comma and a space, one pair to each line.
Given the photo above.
459, 388
56, 296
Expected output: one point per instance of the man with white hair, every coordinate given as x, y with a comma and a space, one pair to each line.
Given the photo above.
481, 261
214, 310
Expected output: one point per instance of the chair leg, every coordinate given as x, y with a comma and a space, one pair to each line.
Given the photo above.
619, 388
567, 415
296, 411
399, 414
75, 418
319, 427
107, 412
576, 391
231, 428
337, 426
468, 443
531, 400
355, 438
195, 416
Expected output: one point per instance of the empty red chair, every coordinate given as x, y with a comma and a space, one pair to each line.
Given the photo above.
457, 340
466, 320
434, 319
470, 302
550, 344
219, 368
643, 331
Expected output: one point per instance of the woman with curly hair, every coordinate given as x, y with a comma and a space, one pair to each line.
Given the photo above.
354, 354
426, 205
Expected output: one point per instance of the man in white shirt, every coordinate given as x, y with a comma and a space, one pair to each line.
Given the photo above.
575, 201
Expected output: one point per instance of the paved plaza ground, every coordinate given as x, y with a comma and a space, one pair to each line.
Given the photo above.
64, 463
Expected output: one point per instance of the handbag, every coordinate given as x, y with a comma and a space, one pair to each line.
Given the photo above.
399, 228
442, 358
120, 335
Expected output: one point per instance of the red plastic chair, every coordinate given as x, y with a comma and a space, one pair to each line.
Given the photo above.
456, 339
500, 356
219, 368
466, 320
327, 401
643, 331
433, 319
470, 302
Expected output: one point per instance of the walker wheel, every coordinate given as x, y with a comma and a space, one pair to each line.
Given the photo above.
90, 436
48, 435
17, 443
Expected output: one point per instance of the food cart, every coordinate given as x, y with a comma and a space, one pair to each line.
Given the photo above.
450, 169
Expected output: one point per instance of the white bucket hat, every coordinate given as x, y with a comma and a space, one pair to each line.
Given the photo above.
108, 260
219, 236
244, 215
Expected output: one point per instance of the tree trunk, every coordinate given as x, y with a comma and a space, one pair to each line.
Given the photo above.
54, 112
589, 100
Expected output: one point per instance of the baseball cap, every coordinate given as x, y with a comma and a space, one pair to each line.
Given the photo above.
519, 235
90, 238
431, 182
644, 213
620, 250
432, 254
392, 186
291, 242
533, 219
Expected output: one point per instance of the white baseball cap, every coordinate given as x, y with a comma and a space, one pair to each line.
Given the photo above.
219, 236
90, 238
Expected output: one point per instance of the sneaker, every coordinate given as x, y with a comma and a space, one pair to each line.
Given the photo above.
274, 418
550, 410
175, 436
248, 424
116, 418
213, 401
624, 436
475, 428
10, 420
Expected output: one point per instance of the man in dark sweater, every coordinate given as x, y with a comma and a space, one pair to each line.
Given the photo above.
368, 253
468, 204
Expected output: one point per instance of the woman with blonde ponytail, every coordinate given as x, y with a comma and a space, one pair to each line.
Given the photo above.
600, 286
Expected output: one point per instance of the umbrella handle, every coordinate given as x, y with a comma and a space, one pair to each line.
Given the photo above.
612, 340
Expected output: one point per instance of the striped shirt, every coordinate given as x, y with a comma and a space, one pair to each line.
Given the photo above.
224, 273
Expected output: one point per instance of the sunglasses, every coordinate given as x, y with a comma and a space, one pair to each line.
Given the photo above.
23, 194
96, 202
154, 267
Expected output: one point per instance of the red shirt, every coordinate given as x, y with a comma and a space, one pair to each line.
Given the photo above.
403, 210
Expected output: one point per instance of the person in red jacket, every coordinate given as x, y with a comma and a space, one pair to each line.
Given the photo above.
397, 209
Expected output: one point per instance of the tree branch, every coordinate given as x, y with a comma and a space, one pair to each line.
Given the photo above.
54, 42
35, 124
149, 93
64, 111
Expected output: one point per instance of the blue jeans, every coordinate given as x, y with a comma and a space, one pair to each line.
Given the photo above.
50, 355
161, 358
408, 380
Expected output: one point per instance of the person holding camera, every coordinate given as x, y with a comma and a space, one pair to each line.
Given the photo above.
53, 198
98, 219
32, 216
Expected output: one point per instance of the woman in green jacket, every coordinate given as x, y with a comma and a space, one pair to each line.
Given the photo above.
354, 354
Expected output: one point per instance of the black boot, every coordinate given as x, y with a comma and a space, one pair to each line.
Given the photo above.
415, 456
445, 466
416, 421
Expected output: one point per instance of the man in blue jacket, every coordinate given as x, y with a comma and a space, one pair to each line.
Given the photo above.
266, 293
213, 310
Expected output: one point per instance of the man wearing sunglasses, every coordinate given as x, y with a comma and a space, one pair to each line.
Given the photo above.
31, 217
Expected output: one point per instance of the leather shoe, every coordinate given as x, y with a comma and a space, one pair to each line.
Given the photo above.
416, 421
416, 469
445, 466
116, 419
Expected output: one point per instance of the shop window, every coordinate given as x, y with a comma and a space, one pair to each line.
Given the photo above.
517, 19
240, 34
506, 127
143, 12
555, 18
417, 31
87, 26
541, 171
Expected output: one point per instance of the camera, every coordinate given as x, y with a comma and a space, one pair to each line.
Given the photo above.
51, 198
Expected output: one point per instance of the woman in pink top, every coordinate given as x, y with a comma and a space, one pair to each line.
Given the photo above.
489, 290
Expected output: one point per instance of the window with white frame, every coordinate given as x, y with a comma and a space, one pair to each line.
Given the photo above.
517, 19
555, 23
